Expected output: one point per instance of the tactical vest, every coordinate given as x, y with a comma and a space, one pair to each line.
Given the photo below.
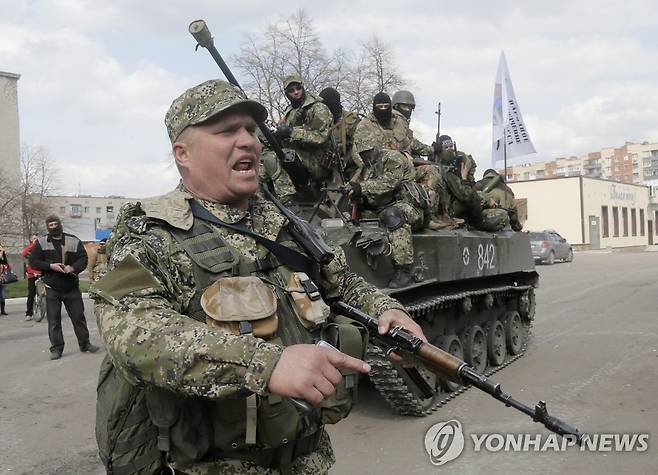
163, 427
70, 247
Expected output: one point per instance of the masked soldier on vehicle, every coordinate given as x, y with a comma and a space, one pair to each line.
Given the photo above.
345, 123
404, 104
306, 128
502, 209
390, 189
210, 334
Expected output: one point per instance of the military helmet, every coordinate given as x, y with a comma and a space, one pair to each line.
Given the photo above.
291, 79
206, 100
403, 97
489, 171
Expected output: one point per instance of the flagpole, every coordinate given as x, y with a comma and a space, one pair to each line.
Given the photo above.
505, 155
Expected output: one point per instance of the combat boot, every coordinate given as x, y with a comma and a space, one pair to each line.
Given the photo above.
440, 222
401, 278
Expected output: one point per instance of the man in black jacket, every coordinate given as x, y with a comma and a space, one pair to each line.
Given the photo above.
61, 257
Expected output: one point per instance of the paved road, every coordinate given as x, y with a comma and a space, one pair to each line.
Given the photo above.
593, 358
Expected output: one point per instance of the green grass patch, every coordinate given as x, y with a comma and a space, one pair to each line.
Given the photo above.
19, 289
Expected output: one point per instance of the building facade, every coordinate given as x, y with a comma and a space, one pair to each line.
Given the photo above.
590, 212
631, 163
102, 210
10, 221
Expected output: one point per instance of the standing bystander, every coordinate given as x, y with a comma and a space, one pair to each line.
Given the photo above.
31, 274
4, 267
61, 257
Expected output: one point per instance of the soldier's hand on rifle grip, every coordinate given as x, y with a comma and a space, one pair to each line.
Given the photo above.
397, 318
283, 132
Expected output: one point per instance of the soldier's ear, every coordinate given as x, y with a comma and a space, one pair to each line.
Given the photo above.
181, 152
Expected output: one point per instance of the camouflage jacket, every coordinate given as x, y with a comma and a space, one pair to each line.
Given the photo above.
147, 333
343, 133
152, 341
416, 147
311, 124
370, 133
384, 178
504, 198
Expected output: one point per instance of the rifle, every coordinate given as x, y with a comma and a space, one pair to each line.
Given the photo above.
434, 358
452, 368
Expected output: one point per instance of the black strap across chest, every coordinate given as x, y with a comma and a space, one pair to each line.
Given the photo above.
290, 257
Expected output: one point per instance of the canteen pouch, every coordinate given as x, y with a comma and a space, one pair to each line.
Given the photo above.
306, 300
241, 305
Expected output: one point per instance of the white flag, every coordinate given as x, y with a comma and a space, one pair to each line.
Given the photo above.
510, 137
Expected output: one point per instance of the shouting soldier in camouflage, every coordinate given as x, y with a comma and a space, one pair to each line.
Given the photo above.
209, 335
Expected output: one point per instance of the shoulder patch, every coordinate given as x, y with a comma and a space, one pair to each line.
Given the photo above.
127, 277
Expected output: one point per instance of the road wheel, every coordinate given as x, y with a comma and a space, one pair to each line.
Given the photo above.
496, 347
453, 345
550, 260
515, 333
569, 256
475, 348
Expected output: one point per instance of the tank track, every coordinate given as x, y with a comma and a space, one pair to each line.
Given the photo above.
394, 389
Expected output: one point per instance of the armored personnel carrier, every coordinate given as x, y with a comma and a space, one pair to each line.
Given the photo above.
474, 297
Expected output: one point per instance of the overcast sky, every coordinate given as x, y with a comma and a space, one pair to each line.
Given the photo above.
97, 77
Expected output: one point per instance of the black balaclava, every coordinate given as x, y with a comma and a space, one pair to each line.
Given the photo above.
383, 117
331, 98
57, 231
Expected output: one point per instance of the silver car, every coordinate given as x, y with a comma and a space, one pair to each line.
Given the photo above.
548, 245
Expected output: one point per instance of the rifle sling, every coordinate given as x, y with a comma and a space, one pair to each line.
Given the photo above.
290, 257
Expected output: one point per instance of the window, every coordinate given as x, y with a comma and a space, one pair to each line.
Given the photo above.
633, 222
86, 209
615, 221
98, 210
604, 221
641, 222
624, 217
109, 209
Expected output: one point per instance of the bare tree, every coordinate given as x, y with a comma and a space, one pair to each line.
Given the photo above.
291, 46
10, 225
38, 180
374, 71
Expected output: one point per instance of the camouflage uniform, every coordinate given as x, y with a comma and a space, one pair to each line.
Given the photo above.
381, 192
504, 198
370, 133
152, 341
343, 136
310, 137
415, 146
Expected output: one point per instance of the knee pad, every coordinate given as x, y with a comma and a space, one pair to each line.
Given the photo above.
392, 218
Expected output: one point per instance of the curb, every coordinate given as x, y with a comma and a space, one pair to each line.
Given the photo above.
85, 295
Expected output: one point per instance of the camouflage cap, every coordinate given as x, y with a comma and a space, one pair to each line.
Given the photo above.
205, 100
292, 79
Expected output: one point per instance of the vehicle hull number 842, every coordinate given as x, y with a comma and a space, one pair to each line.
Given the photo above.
486, 256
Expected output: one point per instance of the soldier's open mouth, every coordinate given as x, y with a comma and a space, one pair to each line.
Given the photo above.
244, 166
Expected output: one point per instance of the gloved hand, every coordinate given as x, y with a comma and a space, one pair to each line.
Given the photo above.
355, 189
283, 132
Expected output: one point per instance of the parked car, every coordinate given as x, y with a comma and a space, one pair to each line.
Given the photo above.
548, 245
